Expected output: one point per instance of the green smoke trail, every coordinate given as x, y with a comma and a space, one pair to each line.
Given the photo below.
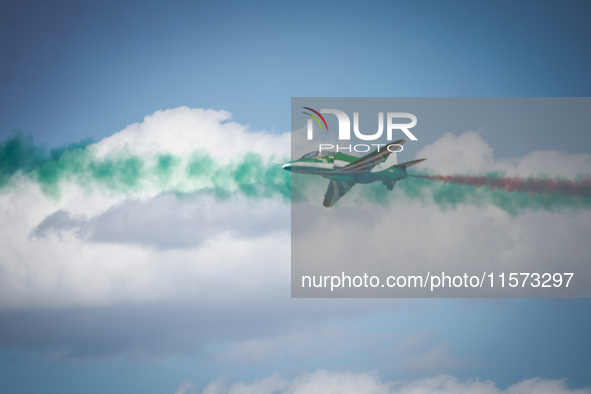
249, 174
127, 173
19, 153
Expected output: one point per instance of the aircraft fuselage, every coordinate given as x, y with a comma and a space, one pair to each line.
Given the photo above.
344, 171
331, 165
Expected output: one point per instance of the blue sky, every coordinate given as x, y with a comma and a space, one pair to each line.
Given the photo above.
72, 70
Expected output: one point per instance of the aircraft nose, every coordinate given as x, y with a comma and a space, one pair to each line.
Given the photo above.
287, 166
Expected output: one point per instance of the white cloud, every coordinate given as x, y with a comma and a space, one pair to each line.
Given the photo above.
168, 222
185, 387
184, 130
327, 382
96, 246
468, 153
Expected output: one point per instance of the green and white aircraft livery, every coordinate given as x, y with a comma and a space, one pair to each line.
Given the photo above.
344, 171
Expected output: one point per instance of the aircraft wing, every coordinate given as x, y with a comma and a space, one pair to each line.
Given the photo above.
372, 159
336, 190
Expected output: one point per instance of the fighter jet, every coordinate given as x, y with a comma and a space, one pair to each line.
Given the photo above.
344, 171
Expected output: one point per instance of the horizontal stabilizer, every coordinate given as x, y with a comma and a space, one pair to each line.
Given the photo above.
410, 163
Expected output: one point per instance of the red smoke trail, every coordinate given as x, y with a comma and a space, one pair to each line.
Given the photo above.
565, 187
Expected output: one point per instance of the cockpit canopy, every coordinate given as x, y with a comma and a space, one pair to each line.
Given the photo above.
315, 154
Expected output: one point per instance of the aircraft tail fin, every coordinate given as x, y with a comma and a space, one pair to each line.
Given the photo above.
374, 160
391, 160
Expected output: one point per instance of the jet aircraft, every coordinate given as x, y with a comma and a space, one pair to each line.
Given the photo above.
344, 171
